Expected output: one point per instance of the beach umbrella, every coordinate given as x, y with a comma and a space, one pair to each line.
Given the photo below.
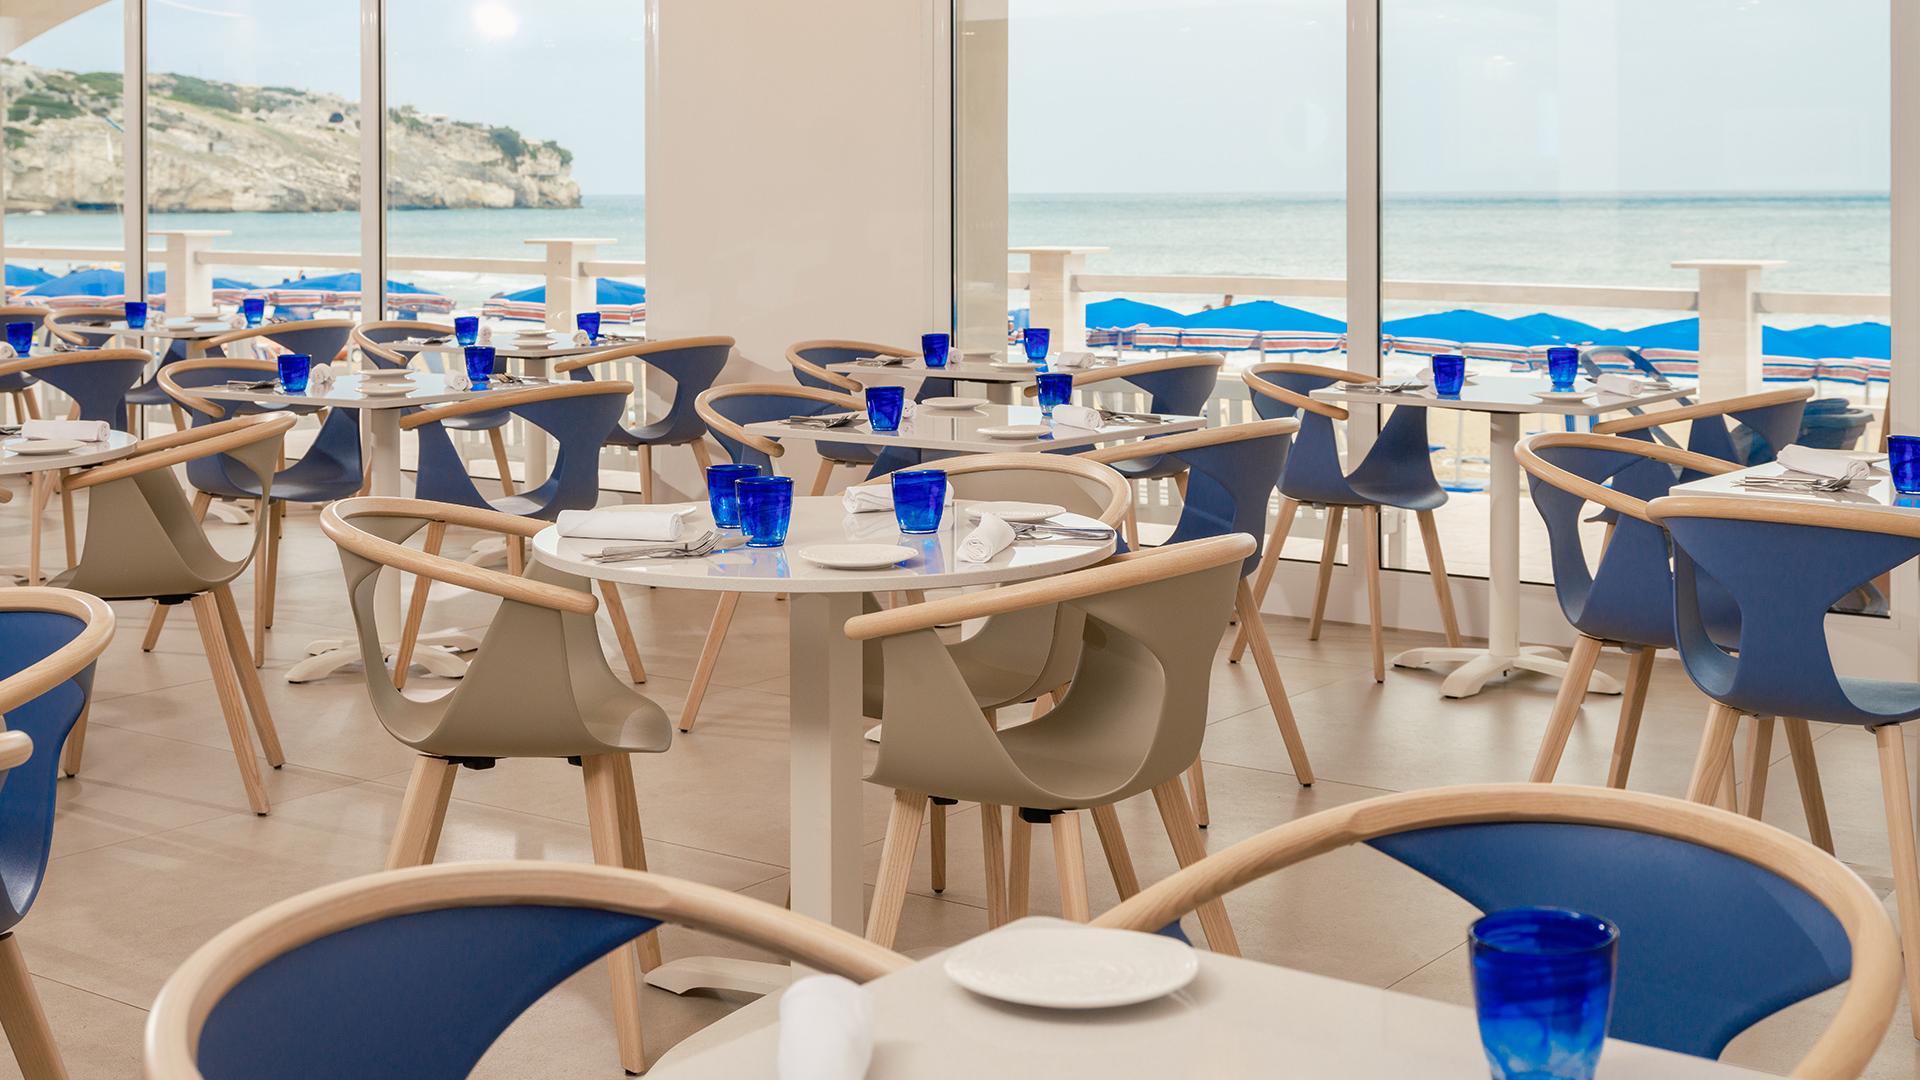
102, 287
343, 290
1260, 324
1114, 322
1557, 328
1473, 334
21, 278
617, 301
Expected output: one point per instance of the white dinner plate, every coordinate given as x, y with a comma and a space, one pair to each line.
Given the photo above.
44, 446
183, 320
1563, 395
386, 389
387, 375
1014, 511
950, 404
1072, 967
856, 556
1012, 365
1016, 431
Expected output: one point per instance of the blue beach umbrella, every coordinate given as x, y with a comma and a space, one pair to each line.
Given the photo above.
1680, 335
1113, 322
1263, 325
1867, 340
617, 301
25, 277
343, 290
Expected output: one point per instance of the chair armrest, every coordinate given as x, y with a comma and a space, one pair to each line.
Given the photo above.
167, 451
69, 659
15, 748
1702, 409
638, 351
28, 364
1191, 440
1527, 453
334, 522
1260, 386
506, 399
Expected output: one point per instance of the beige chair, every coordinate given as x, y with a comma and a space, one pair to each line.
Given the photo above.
26, 404
1785, 915
539, 687
143, 542
1130, 722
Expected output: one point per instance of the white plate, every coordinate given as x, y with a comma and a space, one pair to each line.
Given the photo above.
183, 320
856, 556
1016, 431
1072, 967
1563, 395
386, 389
44, 446
950, 404
205, 316
1012, 365
1014, 511
387, 375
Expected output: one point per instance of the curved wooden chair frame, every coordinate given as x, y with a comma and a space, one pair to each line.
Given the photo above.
1085, 377
57, 322
1702, 409
1258, 385
834, 378
268, 329
769, 447
357, 338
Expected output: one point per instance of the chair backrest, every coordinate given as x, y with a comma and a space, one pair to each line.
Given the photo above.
219, 475
415, 973
729, 409
1398, 460
370, 339
1076, 483
1723, 920
322, 339
26, 313
72, 327
809, 360
1176, 385
49, 640
577, 415
1629, 597
1771, 419
96, 379
691, 363
1783, 564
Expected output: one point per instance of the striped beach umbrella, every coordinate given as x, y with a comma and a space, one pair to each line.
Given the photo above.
19, 279
1112, 323
616, 301
303, 296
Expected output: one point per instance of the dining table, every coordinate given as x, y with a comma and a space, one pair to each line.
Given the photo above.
1873, 492
1236, 1019
1504, 399
190, 329
43, 471
982, 428
824, 736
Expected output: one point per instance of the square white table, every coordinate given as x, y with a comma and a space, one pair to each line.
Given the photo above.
959, 432
1505, 399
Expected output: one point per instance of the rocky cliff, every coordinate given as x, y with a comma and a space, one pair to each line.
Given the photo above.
221, 146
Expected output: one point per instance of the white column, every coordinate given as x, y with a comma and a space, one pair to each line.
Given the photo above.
1363, 211
569, 291
979, 197
1729, 324
133, 132
189, 281
1054, 298
373, 163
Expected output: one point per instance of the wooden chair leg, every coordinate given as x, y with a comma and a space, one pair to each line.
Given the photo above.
709, 656
623, 631
1133, 521
67, 520
701, 456
1566, 708
264, 571
1327, 547
633, 846
1276, 690
1269, 561
416, 609
498, 441
1898, 800
158, 620
646, 474
39, 490
1437, 570
76, 745
1716, 751
273, 554
1632, 703
516, 556
34, 1049
423, 811
1113, 844
1370, 525
249, 678
1759, 750
605, 814
1187, 848
896, 862
33, 402
1806, 772
226, 683
820, 478
937, 841
1019, 864
179, 417
1197, 787
1070, 866
994, 857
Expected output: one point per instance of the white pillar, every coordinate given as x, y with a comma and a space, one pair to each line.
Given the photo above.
1054, 299
189, 281
1729, 324
569, 291
980, 175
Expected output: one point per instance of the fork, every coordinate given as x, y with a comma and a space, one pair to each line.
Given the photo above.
1112, 417
702, 545
1038, 530
832, 421
1793, 483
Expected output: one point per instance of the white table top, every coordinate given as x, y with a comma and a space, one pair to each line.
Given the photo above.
1874, 494
1508, 394
429, 388
1238, 1018
964, 370
118, 444
823, 520
936, 429
504, 346
194, 330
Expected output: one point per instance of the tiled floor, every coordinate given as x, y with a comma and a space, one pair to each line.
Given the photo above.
155, 849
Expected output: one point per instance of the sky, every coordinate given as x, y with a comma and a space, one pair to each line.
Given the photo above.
1549, 96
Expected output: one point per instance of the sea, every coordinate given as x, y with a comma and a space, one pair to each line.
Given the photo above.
1829, 242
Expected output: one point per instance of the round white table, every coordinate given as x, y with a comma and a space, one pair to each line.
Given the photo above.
43, 470
827, 722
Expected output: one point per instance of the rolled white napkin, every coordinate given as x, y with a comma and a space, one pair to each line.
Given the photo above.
1071, 361
321, 376
1622, 385
989, 538
457, 377
1833, 464
1078, 416
6, 351
869, 498
581, 337
826, 1030
237, 321
486, 336
82, 430
661, 523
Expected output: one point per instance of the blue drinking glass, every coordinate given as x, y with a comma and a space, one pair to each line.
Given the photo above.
136, 315
884, 406
466, 329
479, 365
1903, 460
294, 369
1056, 388
766, 506
590, 322
1037, 339
1562, 365
721, 495
253, 310
934, 348
919, 498
1543, 988
20, 337
1449, 374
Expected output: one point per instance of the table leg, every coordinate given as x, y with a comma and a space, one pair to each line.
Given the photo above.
1503, 654
534, 461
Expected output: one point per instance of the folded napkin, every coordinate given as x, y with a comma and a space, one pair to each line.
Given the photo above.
882, 361
1078, 416
486, 336
1071, 361
872, 497
82, 430
457, 377
1832, 464
1623, 385
989, 538
826, 1030
581, 337
321, 376
653, 523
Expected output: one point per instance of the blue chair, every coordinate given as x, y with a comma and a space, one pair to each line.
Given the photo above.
692, 364
415, 973
332, 468
577, 416
1723, 921
1397, 471
96, 379
1784, 564
1746, 430
323, 339
49, 640
19, 387
372, 341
